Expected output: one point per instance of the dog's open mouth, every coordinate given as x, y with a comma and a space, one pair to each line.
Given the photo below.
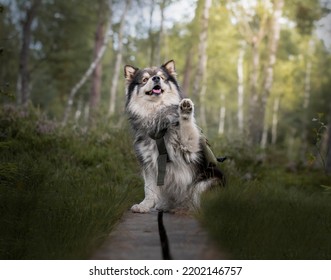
157, 90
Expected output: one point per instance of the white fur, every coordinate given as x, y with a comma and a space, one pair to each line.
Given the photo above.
182, 186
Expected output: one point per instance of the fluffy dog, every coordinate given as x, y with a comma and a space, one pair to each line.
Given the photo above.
157, 111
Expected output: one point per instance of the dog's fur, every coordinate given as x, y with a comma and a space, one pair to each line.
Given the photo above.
156, 109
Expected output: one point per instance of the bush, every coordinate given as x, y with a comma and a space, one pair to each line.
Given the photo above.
61, 189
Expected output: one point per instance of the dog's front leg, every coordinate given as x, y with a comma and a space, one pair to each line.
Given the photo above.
189, 132
151, 193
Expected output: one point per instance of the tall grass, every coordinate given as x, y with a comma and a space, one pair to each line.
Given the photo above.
61, 189
274, 214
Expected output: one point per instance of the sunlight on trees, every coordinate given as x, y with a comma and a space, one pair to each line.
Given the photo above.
258, 71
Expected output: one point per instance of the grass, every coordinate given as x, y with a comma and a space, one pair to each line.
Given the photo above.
61, 190
274, 215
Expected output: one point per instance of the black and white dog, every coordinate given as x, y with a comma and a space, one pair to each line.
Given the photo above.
156, 109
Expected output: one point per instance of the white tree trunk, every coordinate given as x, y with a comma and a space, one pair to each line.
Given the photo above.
160, 41
88, 72
119, 54
151, 49
201, 77
222, 115
272, 49
240, 73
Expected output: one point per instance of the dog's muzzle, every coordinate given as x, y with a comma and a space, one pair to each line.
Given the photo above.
156, 90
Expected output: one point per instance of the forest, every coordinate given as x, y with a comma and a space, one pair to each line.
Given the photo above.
258, 72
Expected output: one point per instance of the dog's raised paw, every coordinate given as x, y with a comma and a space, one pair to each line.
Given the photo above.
186, 106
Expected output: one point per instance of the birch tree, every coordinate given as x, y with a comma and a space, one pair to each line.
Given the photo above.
30, 10
240, 74
200, 86
269, 72
90, 69
97, 72
150, 34
118, 61
252, 28
222, 115
163, 4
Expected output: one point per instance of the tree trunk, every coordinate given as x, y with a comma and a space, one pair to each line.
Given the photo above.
264, 137
187, 73
150, 34
24, 75
306, 101
160, 40
255, 101
328, 150
222, 115
119, 54
272, 50
240, 73
97, 72
275, 113
201, 77
89, 71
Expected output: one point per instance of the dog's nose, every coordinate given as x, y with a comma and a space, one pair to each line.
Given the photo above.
156, 79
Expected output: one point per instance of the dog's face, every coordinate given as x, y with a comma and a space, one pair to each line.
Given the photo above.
151, 88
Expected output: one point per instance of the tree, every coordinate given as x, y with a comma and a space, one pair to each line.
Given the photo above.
240, 74
252, 24
97, 72
30, 13
200, 79
328, 155
90, 69
269, 72
118, 60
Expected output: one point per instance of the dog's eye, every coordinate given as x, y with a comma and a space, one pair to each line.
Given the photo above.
145, 80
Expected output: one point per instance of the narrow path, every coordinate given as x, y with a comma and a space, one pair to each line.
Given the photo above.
137, 238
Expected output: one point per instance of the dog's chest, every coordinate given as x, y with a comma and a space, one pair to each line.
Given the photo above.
149, 151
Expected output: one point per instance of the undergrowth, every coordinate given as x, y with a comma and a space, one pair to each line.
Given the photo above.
61, 189
273, 214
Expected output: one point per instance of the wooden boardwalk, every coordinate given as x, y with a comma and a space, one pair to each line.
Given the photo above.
137, 238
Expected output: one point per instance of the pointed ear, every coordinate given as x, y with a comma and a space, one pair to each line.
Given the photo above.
170, 67
129, 72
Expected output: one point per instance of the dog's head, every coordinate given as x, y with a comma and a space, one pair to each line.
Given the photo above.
149, 89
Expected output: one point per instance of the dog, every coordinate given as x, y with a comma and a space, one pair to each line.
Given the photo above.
157, 110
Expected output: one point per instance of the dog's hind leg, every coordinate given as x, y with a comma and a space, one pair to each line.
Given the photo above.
151, 193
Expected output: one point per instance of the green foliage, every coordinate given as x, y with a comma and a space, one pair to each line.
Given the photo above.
280, 215
61, 190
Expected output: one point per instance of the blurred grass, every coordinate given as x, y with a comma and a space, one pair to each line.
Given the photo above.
275, 214
61, 189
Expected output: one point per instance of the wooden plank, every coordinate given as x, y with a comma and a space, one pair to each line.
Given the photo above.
137, 238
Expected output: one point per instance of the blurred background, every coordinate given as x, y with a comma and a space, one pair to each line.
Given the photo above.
259, 71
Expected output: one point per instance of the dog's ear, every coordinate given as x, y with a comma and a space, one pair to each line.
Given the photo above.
170, 67
129, 72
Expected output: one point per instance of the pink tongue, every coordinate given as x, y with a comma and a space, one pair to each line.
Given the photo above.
157, 91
